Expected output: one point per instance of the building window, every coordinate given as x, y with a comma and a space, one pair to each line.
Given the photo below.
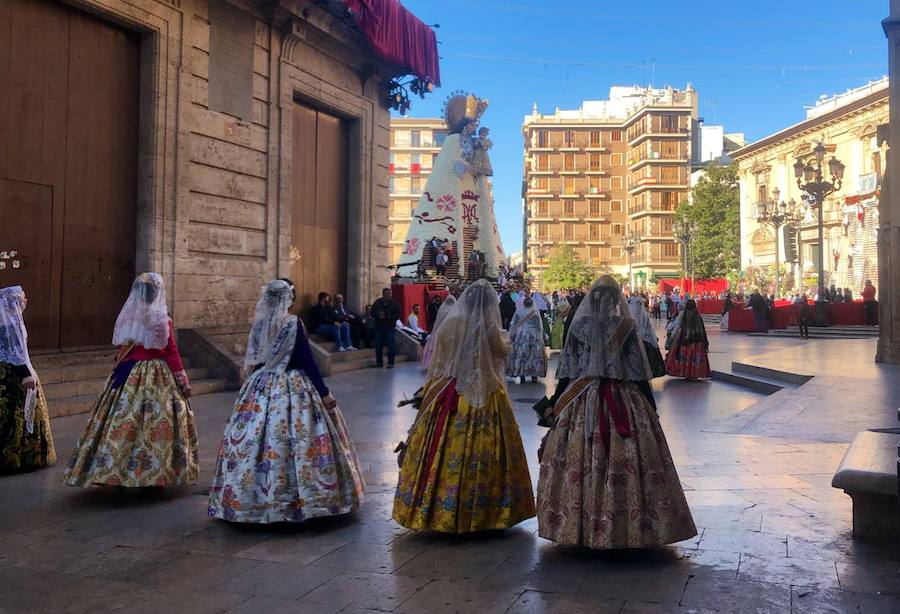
616, 136
595, 209
616, 183
541, 138
617, 229
670, 175
542, 161
615, 253
615, 206
415, 138
666, 223
570, 208
415, 185
616, 159
539, 183
568, 185
569, 162
670, 250
596, 187
570, 138
669, 123
568, 232
669, 201
595, 138
391, 185
594, 256
542, 232
595, 162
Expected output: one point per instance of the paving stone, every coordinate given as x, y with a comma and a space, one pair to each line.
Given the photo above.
805, 600
279, 580
366, 590
291, 549
198, 571
270, 605
736, 595
649, 585
220, 538
121, 563
454, 563
534, 602
447, 597
186, 601
550, 575
870, 578
749, 542
375, 558
794, 571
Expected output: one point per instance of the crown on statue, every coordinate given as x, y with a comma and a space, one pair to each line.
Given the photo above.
462, 108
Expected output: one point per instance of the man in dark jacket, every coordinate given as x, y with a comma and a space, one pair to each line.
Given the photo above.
324, 320
386, 312
759, 304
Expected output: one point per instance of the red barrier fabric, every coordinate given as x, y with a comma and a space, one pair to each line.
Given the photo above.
699, 286
398, 36
410, 294
740, 321
710, 306
847, 314
787, 314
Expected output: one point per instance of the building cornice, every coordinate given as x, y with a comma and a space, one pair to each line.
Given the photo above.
813, 124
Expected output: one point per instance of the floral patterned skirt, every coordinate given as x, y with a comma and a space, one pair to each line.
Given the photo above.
140, 434
284, 456
688, 360
19, 449
527, 357
607, 478
465, 468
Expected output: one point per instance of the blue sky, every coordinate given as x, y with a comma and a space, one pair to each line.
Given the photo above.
754, 65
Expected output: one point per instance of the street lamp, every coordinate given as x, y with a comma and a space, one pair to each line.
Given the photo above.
777, 214
630, 242
685, 232
811, 179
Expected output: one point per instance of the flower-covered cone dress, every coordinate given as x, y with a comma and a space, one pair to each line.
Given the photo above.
284, 456
25, 439
141, 431
607, 478
465, 468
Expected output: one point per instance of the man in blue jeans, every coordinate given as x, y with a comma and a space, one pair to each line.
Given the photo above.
385, 312
325, 321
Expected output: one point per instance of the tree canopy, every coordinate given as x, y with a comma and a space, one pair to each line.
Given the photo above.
566, 270
716, 208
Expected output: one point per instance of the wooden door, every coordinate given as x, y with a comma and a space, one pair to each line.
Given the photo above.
319, 214
69, 87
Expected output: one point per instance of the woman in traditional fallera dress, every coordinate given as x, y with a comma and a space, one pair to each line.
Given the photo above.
559, 322
689, 356
464, 467
444, 309
285, 455
648, 336
141, 431
527, 357
25, 438
607, 478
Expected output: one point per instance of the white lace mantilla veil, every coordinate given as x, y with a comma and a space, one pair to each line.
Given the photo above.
527, 317
642, 320
445, 308
603, 339
272, 308
144, 318
471, 345
14, 343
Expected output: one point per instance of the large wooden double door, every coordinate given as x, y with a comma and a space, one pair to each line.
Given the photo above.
69, 89
319, 207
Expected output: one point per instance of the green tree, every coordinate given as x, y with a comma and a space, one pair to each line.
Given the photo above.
566, 270
716, 209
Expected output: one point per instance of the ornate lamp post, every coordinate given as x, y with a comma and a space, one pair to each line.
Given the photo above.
811, 179
630, 242
776, 215
685, 232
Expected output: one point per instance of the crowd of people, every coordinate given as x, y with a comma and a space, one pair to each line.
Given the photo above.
285, 453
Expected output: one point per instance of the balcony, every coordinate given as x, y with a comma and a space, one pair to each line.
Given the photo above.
657, 129
644, 157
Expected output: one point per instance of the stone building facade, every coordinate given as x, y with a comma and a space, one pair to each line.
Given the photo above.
848, 125
261, 146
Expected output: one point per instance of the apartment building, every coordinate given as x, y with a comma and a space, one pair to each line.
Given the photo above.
414, 144
609, 169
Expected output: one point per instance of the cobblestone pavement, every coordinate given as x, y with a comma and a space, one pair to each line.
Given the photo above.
774, 536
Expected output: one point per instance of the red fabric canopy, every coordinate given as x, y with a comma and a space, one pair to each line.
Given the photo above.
398, 36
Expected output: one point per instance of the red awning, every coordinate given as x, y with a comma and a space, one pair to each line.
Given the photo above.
398, 36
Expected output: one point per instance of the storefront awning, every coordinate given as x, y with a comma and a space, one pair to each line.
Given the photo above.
398, 36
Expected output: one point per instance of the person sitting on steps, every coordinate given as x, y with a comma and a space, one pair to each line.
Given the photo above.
325, 321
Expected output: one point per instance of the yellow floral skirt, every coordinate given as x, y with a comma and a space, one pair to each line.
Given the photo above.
465, 468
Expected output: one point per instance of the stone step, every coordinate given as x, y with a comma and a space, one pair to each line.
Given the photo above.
751, 382
44, 361
815, 333
756, 371
360, 363
70, 406
78, 386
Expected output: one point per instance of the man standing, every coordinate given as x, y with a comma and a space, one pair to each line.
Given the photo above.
870, 305
433, 308
386, 312
759, 305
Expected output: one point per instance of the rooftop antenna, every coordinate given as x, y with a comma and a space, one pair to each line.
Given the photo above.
652, 71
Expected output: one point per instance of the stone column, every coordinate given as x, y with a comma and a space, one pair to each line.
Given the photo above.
889, 209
